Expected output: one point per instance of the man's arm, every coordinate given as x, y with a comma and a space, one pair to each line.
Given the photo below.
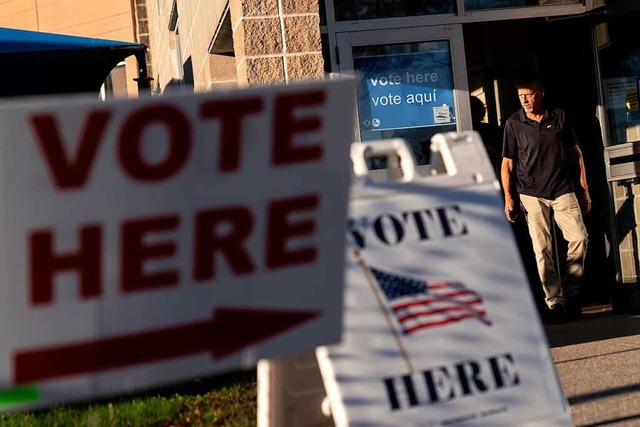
583, 196
506, 173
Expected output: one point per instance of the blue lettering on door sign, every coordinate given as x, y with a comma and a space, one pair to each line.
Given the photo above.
405, 90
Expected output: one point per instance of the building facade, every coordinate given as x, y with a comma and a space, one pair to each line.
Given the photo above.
443, 52
585, 51
206, 45
417, 64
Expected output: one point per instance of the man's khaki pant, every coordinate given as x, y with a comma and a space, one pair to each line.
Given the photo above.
567, 214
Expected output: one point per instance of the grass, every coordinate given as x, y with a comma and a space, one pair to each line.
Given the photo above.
223, 401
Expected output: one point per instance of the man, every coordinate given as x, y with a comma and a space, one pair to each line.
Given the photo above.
540, 151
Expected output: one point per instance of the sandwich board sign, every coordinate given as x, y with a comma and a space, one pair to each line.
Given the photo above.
439, 324
151, 241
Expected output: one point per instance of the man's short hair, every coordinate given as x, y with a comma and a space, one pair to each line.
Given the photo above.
530, 83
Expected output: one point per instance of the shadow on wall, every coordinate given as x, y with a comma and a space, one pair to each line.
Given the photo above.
185, 84
177, 86
600, 265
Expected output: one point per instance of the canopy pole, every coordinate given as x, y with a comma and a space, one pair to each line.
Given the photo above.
143, 79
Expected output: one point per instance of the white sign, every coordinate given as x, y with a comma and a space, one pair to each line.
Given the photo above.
440, 327
153, 240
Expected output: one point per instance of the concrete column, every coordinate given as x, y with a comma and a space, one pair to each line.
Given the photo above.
276, 41
221, 72
142, 35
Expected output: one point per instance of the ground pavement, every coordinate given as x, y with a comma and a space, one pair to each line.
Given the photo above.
598, 363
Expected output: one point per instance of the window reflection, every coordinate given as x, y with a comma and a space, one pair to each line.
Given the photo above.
620, 67
352, 10
503, 4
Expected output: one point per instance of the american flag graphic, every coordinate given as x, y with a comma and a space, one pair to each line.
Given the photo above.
418, 305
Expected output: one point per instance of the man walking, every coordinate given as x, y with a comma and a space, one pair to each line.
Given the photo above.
539, 153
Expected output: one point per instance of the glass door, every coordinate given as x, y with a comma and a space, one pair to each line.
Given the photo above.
618, 43
411, 84
619, 58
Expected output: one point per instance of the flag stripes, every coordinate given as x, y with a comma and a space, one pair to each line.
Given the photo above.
417, 304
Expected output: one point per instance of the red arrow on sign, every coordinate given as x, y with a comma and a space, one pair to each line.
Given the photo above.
228, 331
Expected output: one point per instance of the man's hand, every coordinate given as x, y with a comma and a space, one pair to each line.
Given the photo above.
510, 209
584, 199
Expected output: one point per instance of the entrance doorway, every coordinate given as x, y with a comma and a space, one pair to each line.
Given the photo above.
561, 52
399, 69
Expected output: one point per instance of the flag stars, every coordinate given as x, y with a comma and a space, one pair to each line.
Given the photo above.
397, 286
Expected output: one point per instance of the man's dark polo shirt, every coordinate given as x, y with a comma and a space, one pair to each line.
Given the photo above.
540, 152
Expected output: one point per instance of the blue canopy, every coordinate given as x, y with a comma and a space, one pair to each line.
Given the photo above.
12, 40
35, 63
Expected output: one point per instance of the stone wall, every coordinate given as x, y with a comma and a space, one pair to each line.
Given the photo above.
273, 41
180, 56
276, 40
